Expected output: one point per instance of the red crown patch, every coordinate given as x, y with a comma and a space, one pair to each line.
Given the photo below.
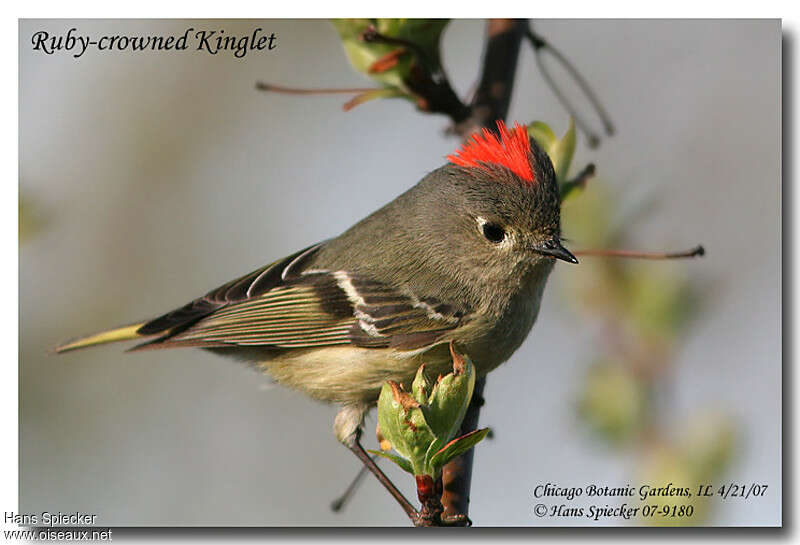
511, 150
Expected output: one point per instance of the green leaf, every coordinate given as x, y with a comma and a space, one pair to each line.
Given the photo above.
418, 425
457, 447
425, 34
543, 134
388, 422
560, 151
404, 464
363, 55
405, 428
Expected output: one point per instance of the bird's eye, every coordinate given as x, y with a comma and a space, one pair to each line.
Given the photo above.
493, 232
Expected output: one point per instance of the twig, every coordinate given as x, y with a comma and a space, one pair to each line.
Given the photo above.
262, 86
539, 44
697, 251
339, 503
578, 181
355, 446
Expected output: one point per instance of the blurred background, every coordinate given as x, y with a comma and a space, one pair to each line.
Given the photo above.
148, 178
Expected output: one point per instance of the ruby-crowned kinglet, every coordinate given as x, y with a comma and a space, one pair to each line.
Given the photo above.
462, 256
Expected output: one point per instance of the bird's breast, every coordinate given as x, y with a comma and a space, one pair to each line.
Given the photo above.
497, 334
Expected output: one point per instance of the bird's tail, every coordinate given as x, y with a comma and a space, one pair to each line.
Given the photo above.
124, 333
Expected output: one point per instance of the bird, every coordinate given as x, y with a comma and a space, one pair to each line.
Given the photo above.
461, 258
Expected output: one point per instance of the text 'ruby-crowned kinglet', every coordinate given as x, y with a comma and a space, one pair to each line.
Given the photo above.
462, 257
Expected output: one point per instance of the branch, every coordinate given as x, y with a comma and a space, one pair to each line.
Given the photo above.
493, 96
539, 44
578, 182
427, 80
491, 102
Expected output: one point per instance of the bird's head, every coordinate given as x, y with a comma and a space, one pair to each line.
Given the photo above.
499, 203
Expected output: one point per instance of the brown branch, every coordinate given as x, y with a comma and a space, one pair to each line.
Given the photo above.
457, 474
493, 96
491, 102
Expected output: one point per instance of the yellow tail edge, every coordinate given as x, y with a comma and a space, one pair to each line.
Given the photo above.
124, 333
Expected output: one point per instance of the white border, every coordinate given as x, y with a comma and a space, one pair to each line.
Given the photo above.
147, 8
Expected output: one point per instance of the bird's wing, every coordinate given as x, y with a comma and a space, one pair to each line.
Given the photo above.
241, 289
285, 306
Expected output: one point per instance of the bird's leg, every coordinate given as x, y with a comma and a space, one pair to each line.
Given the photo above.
352, 442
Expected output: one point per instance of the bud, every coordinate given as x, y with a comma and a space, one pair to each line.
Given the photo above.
450, 398
613, 402
560, 151
709, 442
663, 467
420, 425
402, 424
421, 385
389, 50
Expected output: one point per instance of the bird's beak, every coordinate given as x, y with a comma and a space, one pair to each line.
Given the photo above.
553, 248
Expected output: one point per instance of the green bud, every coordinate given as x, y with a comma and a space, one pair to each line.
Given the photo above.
710, 442
402, 423
660, 302
663, 466
559, 150
403, 46
450, 398
421, 385
420, 425
614, 402
31, 219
